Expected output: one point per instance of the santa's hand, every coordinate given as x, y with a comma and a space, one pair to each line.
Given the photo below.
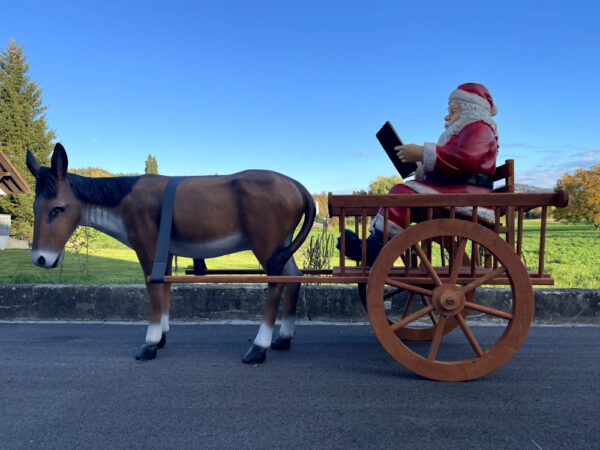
410, 153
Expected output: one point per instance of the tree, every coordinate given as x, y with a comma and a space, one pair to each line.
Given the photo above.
22, 126
584, 197
382, 185
97, 172
151, 165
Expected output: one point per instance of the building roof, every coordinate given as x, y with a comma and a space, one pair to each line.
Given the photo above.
11, 181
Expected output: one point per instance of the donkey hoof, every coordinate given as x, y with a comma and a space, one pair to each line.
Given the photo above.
146, 352
255, 355
163, 341
281, 343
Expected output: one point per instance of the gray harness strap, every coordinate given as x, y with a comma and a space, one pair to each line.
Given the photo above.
161, 257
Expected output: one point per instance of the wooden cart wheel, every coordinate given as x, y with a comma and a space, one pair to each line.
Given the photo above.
466, 355
411, 302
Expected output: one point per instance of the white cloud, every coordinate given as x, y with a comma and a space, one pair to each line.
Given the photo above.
539, 178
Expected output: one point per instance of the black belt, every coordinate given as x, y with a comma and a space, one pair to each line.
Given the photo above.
162, 257
475, 179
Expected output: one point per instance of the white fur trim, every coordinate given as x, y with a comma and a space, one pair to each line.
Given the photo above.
464, 96
164, 323
429, 155
420, 171
153, 334
483, 214
265, 336
393, 228
287, 328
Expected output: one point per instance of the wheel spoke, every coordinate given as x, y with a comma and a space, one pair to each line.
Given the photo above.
479, 281
392, 293
437, 337
469, 335
457, 261
431, 314
487, 310
432, 273
414, 316
408, 287
407, 306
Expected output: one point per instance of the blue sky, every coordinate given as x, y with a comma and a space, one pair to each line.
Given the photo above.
301, 87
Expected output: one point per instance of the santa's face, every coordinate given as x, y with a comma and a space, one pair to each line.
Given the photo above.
454, 111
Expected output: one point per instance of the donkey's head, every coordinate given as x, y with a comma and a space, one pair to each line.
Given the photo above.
56, 209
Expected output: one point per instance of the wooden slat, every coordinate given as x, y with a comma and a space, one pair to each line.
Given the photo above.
542, 240
262, 279
256, 272
354, 203
342, 238
364, 242
503, 171
337, 279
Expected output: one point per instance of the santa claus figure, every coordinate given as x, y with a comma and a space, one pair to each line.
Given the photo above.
462, 161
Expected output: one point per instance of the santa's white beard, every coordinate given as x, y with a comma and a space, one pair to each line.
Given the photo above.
470, 113
451, 130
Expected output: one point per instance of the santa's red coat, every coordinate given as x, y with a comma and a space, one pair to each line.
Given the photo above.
472, 150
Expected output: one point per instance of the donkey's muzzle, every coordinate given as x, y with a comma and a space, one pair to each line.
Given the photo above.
45, 259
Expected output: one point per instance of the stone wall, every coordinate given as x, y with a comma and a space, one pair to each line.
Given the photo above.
245, 302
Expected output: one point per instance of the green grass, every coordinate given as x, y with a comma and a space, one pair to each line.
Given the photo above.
572, 252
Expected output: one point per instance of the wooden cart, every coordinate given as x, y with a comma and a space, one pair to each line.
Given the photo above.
423, 284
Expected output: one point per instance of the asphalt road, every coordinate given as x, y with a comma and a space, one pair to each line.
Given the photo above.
78, 386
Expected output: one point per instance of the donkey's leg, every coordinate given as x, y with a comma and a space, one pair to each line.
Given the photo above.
158, 294
288, 323
164, 316
257, 353
154, 332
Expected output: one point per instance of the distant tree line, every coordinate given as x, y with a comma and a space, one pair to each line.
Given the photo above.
97, 172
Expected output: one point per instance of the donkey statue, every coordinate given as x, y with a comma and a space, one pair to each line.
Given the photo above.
254, 210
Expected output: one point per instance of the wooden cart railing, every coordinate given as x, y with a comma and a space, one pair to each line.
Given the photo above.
364, 207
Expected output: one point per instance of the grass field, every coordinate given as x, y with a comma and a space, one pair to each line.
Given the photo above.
572, 255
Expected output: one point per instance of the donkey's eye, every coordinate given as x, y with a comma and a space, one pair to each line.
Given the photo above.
56, 211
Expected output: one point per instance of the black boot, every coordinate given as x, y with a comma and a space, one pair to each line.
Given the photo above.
374, 246
354, 246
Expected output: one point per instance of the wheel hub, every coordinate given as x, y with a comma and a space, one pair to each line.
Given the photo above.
448, 300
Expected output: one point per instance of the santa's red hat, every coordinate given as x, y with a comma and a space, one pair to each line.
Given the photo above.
475, 93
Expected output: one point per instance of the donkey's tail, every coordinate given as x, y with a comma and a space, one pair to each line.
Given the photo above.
283, 253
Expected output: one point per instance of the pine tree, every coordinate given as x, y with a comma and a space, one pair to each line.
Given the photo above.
22, 126
151, 165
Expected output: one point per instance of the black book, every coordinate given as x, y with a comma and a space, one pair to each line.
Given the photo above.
388, 138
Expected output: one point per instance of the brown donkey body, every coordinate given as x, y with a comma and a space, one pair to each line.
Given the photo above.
212, 216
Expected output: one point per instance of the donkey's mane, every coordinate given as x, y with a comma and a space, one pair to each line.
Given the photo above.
107, 192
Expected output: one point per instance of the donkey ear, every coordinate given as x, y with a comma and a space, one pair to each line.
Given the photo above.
60, 162
32, 163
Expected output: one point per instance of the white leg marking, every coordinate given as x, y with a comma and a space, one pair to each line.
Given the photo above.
153, 334
264, 336
164, 323
288, 325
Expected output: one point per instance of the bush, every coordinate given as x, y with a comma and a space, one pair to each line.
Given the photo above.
319, 251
